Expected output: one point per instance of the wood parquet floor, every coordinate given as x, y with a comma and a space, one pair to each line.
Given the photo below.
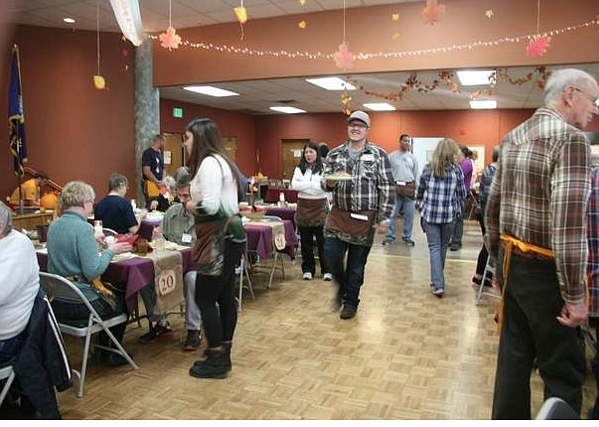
406, 355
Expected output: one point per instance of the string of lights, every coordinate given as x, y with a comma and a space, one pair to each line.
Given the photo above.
385, 55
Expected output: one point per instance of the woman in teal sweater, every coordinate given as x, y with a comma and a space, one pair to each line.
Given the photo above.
73, 253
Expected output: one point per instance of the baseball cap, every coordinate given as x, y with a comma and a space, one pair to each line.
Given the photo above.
361, 116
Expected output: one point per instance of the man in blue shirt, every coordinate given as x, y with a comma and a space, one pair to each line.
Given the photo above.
114, 211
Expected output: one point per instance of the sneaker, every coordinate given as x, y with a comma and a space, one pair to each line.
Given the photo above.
455, 247
388, 241
307, 276
193, 341
155, 332
348, 312
408, 242
327, 277
439, 292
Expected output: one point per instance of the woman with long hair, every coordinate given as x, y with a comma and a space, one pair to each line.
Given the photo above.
311, 209
439, 194
215, 192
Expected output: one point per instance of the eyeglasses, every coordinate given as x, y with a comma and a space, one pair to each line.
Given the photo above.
594, 101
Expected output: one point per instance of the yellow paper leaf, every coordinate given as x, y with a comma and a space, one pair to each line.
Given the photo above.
395, 36
302, 2
395, 17
489, 13
241, 13
302, 24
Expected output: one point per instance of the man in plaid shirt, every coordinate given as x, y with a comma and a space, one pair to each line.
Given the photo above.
360, 203
593, 273
538, 202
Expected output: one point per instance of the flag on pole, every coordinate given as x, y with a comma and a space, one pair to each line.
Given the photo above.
16, 118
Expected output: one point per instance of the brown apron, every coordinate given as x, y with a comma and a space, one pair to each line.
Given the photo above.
310, 212
342, 222
407, 190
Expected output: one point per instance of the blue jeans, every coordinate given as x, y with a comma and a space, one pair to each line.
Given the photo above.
349, 278
438, 236
408, 214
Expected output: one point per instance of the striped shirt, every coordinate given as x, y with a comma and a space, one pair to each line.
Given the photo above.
371, 189
593, 241
439, 198
540, 195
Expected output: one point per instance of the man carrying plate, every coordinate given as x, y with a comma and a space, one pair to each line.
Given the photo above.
359, 175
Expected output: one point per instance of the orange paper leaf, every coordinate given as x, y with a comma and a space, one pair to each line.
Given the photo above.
170, 40
343, 58
432, 12
538, 46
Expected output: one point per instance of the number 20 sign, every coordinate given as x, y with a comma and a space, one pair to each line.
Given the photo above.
166, 282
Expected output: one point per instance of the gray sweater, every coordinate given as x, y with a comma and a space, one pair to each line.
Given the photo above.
73, 250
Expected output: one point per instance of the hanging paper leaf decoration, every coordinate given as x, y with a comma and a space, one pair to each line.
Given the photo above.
302, 2
242, 14
455, 88
343, 58
489, 14
346, 102
432, 12
395, 36
538, 46
395, 17
170, 40
99, 82
302, 24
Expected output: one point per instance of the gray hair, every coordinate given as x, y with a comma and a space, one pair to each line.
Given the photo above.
561, 79
75, 194
180, 172
5, 220
170, 183
116, 181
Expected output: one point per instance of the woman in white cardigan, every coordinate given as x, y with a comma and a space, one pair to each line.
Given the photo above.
311, 209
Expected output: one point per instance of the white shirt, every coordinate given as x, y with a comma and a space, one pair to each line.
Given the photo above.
19, 283
212, 189
308, 184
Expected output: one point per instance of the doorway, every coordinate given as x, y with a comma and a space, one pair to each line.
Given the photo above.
292, 154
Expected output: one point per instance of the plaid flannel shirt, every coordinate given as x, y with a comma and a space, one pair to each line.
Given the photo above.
439, 198
593, 241
540, 195
485, 184
371, 189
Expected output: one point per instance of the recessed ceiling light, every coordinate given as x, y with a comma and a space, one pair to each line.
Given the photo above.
288, 110
474, 77
483, 105
380, 106
331, 83
210, 90
69, 20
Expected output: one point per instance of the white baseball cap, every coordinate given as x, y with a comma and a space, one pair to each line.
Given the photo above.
361, 116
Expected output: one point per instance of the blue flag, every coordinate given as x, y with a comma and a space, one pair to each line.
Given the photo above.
16, 118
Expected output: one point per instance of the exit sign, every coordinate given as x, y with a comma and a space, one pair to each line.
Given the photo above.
178, 112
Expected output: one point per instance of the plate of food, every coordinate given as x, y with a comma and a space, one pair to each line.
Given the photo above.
338, 176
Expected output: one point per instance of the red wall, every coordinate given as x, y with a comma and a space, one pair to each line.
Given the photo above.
73, 130
230, 123
467, 127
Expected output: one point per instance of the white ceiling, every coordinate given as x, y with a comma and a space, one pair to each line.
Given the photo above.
258, 96
154, 13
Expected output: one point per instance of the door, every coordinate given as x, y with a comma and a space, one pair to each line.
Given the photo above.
173, 152
230, 143
423, 149
292, 154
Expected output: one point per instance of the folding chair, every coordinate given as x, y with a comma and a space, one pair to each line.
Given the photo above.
277, 253
6, 373
243, 269
60, 288
489, 270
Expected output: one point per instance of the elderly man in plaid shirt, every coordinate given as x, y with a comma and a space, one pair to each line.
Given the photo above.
593, 274
360, 177
537, 211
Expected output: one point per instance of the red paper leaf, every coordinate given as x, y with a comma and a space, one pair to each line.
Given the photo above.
538, 46
170, 40
432, 12
343, 58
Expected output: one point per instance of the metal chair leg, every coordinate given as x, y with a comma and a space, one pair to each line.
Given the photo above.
88, 337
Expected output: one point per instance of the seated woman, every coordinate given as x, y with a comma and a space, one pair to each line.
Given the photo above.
19, 279
114, 211
73, 253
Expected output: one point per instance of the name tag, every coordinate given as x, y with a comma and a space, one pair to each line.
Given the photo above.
186, 238
401, 183
359, 216
367, 158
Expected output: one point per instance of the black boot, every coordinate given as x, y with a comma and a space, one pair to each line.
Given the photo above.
227, 349
215, 365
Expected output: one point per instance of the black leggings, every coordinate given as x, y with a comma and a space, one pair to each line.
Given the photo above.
483, 255
219, 323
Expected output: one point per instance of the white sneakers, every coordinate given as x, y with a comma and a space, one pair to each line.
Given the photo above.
307, 276
327, 277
